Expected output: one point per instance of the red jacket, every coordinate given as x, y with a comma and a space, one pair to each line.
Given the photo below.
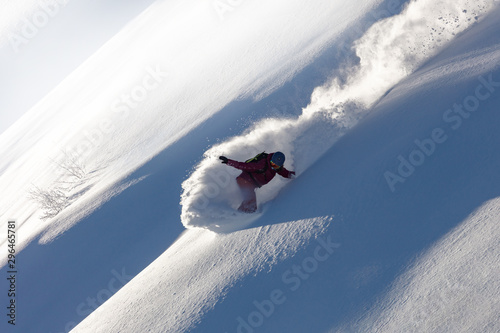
259, 173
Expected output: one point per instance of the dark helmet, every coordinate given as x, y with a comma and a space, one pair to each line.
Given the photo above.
278, 158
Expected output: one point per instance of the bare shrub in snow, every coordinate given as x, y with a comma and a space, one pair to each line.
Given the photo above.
54, 199
51, 201
72, 166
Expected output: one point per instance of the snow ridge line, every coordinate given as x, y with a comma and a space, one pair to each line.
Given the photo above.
389, 51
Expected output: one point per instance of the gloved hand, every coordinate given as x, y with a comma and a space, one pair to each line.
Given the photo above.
224, 159
292, 175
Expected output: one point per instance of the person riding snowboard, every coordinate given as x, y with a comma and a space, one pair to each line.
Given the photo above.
257, 172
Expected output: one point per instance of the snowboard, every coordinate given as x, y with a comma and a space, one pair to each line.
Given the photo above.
225, 219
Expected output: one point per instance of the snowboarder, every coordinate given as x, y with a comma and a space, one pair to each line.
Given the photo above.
257, 172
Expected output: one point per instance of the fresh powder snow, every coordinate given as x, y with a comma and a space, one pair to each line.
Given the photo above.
124, 218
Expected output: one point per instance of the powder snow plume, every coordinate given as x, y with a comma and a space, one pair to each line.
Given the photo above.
388, 52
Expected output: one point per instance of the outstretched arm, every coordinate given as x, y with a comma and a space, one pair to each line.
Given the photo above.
286, 173
250, 167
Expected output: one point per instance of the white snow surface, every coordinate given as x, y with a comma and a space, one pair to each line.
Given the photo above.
391, 225
389, 51
135, 88
452, 287
42, 41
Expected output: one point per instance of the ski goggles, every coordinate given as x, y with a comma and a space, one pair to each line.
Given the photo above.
274, 165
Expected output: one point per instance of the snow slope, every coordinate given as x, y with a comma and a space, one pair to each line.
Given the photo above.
389, 51
387, 247
134, 89
452, 287
341, 246
42, 41
118, 110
